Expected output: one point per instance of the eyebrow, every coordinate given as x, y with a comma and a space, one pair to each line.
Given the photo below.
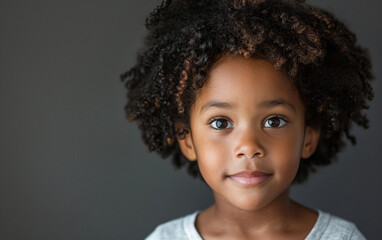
217, 104
277, 102
264, 104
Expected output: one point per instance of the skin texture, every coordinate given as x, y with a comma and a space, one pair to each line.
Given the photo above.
258, 125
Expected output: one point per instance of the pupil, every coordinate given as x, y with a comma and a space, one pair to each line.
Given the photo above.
221, 124
274, 122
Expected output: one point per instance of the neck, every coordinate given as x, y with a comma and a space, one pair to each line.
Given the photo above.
276, 215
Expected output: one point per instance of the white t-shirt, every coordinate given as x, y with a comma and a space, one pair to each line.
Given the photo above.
327, 227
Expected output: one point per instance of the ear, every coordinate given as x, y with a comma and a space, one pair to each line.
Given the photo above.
185, 141
312, 135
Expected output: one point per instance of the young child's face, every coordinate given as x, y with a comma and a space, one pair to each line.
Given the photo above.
248, 117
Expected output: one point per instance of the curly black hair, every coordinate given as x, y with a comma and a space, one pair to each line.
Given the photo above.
186, 37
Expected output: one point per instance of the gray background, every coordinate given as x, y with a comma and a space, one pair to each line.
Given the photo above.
71, 166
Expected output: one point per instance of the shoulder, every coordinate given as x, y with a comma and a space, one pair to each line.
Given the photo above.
182, 228
332, 227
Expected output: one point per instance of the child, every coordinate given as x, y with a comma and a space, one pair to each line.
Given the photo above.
251, 96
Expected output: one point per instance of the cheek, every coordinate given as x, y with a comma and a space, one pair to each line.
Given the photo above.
287, 157
212, 153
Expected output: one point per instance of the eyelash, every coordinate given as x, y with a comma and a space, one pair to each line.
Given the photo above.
219, 118
282, 120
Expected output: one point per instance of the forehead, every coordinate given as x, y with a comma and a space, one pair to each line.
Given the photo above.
240, 80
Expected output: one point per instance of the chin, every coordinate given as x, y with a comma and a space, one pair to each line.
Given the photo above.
250, 204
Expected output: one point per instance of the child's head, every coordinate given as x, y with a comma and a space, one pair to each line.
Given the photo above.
248, 119
190, 42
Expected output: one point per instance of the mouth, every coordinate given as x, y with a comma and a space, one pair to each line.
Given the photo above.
249, 179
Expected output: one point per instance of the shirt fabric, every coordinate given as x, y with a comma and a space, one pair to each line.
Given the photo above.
327, 226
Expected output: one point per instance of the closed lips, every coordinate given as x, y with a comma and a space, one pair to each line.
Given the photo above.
249, 178
248, 174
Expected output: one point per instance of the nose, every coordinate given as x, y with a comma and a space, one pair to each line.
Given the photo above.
248, 145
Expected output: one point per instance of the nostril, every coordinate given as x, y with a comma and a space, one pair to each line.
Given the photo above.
248, 145
251, 154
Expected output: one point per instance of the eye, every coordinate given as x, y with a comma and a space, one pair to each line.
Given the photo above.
220, 123
274, 122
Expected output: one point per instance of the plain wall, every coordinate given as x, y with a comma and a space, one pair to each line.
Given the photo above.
72, 167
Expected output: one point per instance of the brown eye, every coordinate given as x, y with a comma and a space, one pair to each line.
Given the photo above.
220, 124
274, 122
